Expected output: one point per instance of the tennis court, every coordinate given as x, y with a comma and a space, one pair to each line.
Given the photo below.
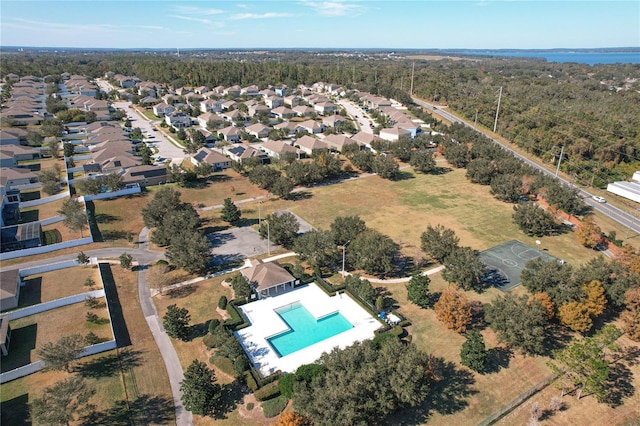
505, 263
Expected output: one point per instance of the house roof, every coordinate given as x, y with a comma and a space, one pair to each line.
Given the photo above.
210, 156
267, 275
16, 173
8, 283
311, 143
146, 171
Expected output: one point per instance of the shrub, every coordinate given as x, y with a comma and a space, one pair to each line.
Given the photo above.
268, 391
213, 325
274, 406
241, 364
161, 262
251, 382
91, 317
222, 302
209, 341
91, 338
250, 406
286, 384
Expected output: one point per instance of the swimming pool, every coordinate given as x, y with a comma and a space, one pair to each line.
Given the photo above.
305, 330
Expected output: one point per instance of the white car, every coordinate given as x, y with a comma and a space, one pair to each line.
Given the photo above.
599, 199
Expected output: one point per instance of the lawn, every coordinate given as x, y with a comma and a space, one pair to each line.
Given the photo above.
119, 217
43, 211
56, 284
485, 394
30, 333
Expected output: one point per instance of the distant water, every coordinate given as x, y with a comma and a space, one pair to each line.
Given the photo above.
579, 56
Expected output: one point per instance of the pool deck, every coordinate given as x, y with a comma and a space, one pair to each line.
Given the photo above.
265, 323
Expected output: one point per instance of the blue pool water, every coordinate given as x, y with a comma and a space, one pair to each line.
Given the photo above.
305, 329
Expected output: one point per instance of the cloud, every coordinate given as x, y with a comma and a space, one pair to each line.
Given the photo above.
193, 10
191, 18
331, 8
36, 25
268, 15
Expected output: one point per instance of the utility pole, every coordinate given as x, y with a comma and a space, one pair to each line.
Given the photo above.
401, 80
413, 68
475, 122
344, 249
559, 160
495, 123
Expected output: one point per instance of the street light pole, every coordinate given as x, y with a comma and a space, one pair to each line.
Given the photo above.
259, 213
268, 238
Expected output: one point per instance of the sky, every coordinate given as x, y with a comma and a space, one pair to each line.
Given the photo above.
390, 24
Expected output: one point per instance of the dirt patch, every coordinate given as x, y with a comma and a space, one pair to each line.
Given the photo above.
224, 314
256, 414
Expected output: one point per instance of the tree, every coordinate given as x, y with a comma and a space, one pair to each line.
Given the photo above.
438, 242
576, 316
60, 403
363, 160
546, 301
68, 149
316, 247
263, 176
346, 228
282, 228
50, 180
241, 286
291, 418
589, 233
385, 166
596, 300
176, 222
481, 170
282, 187
422, 161
583, 363
176, 322
539, 275
190, 250
60, 355
631, 316
507, 187
533, 220
362, 288
164, 201
82, 258
200, 393
372, 252
401, 149
378, 381
418, 290
519, 322
473, 353
457, 154
464, 268
453, 310
75, 217
230, 212
125, 260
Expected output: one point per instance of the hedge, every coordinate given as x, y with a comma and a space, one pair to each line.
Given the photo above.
274, 406
269, 391
209, 341
251, 382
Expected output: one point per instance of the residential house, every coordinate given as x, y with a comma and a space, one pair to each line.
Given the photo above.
240, 152
311, 126
10, 284
304, 111
211, 105
9, 204
218, 161
333, 120
365, 139
289, 126
393, 134
145, 175
228, 105
258, 130
209, 138
276, 148
273, 101
325, 108
10, 155
178, 120
5, 335
235, 116
8, 138
267, 93
250, 91
230, 134
283, 112
148, 101
309, 144
268, 278
205, 118
292, 100
338, 142
257, 109
281, 91
162, 109
12, 178
233, 91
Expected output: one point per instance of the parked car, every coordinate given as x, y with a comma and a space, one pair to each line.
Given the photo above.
599, 199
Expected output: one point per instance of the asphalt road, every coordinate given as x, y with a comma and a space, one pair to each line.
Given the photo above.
356, 111
623, 218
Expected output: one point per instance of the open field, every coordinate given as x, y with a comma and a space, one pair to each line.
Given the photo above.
56, 284
119, 217
43, 211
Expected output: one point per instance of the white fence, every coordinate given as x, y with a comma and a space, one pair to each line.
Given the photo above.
104, 195
54, 304
25, 370
25, 272
45, 200
46, 249
50, 220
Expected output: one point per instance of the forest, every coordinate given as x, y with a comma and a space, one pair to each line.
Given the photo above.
590, 113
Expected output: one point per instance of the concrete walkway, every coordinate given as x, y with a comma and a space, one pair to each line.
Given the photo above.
167, 351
